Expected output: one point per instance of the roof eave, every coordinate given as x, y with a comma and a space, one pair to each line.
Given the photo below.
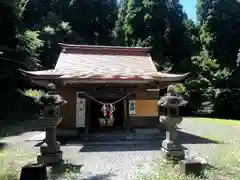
173, 78
95, 47
35, 76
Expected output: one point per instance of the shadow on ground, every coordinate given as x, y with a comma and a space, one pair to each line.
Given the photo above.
184, 138
187, 138
127, 145
63, 140
146, 146
3, 146
63, 169
100, 177
19, 127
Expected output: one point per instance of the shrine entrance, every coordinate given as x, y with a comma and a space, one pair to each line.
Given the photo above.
97, 111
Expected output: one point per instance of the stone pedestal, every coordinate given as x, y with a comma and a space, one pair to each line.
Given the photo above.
50, 152
171, 149
53, 158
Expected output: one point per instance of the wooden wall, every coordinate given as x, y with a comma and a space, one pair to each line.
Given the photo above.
68, 112
146, 108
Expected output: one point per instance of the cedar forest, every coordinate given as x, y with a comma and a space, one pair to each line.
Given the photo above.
30, 31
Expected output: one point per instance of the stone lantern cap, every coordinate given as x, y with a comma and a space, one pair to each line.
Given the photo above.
51, 98
171, 100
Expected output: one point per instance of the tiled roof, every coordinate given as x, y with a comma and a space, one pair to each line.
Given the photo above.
106, 63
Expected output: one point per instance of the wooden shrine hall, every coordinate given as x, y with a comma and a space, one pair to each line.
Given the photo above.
106, 87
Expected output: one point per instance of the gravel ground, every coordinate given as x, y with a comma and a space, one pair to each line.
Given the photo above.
113, 162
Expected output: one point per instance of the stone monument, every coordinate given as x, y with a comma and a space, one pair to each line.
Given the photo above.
171, 103
50, 152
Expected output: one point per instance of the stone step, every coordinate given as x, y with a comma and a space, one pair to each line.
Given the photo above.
120, 140
123, 137
113, 143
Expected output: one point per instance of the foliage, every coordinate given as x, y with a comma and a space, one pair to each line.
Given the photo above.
219, 30
118, 32
31, 30
29, 47
206, 87
34, 93
219, 36
52, 34
20, 49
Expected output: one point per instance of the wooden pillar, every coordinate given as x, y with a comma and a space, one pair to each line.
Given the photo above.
126, 114
161, 110
87, 119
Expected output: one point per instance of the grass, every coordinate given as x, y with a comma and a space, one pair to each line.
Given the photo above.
216, 121
8, 175
225, 167
225, 158
11, 162
13, 155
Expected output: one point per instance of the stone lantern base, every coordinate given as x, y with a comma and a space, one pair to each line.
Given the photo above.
173, 154
50, 152
50, 158
172, 151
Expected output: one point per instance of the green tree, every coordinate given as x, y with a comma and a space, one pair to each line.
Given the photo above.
163, 25
19, 49
118, 32
220, 33
178, 43
93, 20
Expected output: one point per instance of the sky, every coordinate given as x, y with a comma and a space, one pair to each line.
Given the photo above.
189, 7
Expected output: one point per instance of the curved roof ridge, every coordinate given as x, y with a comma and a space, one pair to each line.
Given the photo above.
90, 47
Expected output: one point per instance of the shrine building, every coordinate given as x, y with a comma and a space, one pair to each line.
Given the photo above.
106, 82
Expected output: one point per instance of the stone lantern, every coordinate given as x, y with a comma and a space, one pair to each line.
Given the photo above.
50, 150
171, 103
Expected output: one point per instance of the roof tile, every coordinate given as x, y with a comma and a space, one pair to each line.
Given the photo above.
105, 63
